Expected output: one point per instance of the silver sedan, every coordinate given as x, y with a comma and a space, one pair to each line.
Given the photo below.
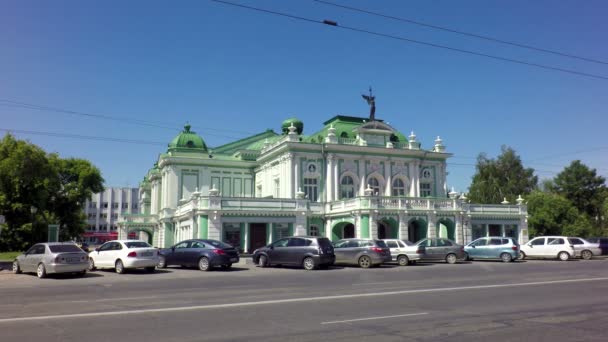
52, 257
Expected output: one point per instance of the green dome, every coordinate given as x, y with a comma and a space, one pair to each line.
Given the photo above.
299, 125
188, 141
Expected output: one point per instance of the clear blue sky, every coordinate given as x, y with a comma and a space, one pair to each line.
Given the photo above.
230, 71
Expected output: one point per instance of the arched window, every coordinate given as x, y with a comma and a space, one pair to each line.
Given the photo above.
398, 187
375, 186
347, 187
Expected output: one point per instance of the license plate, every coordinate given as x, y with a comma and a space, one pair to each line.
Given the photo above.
146, 254
233, 259
71, 259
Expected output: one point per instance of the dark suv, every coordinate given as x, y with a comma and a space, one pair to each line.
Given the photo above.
310, 252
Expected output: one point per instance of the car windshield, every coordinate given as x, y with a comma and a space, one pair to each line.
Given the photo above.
218, 244
64, 248
137, 244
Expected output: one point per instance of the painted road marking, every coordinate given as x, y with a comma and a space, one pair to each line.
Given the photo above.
294, 300
372, 318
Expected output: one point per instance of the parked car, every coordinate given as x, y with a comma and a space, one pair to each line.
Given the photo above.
124, 254
548, 247
493, 247
584, 249
603, 243
310, 252
363, 252
205, 254
52, 257
403, 252
441, 249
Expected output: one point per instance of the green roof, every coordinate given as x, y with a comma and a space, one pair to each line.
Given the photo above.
345, 126
244, 143
188, 141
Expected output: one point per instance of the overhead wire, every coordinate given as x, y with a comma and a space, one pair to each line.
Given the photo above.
409, 40
469, 34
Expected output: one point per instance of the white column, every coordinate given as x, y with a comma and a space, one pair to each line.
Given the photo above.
403, 227
412, 174
270, 229
362, 181
459, 230
296, 180
336, 180
330, 179
246, 247
431, 230
289, 177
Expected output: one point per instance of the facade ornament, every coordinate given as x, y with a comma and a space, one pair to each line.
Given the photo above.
439, 147
519, 200
453, 194
368, 191
504, 201
331, 135
463, 197
412, 143
213, 191
389, 144
292, 135
300, 194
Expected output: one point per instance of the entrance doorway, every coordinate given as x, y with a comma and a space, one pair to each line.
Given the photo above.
382, 231
257, 236
349, 231
494, 230
416, 230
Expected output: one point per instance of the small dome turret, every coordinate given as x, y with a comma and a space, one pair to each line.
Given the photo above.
188, 140
298, 124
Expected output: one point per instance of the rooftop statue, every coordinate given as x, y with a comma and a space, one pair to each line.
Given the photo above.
371, 101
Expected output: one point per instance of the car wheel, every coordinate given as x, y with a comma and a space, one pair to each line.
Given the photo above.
522, 255
203, 264
450, 258
506, 257
41, 271
227, 266
119, 267
466, 257
162, 262
91, 264
587, 255
365, 262
262, 261
563, 256
151, 269
308, 264
403, 260
16, 267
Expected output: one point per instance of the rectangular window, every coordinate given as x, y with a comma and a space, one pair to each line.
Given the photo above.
92, 204
189, 184
232, 235
115, 205
425, 189
134, 205
311, 189
281, 230
105, 204
226, 188
125, 205
247, 187
479, 230
277, 188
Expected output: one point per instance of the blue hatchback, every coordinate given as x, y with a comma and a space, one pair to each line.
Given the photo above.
493, 247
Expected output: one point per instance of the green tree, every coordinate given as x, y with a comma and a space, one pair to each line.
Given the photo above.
57, 188
504, 177
552, 214
583, 187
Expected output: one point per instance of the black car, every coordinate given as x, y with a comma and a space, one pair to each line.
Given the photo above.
205, 254
603, 241
310, 252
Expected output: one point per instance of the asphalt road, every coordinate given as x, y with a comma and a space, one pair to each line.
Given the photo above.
478, 301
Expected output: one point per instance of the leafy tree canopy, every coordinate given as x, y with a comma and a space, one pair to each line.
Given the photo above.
582, 186
57, 189
552, 214
503, 177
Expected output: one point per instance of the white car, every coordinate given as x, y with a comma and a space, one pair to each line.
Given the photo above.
584, 249
548, 247
403, 252
124, 254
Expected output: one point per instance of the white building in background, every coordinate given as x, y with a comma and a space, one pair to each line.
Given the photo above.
105, 209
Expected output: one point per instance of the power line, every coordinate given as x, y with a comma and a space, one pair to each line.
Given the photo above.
82, 137
18, 104
404, 39
479, 36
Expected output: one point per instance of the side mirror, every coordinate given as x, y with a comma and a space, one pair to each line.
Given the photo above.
271, 246
472, 246
97, 249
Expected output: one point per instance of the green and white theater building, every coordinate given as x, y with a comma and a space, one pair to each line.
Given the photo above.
354, 178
